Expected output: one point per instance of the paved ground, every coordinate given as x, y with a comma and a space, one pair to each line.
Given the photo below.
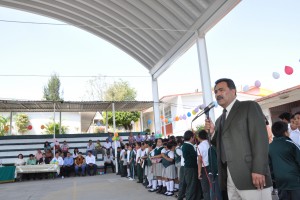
103, 187
109, 186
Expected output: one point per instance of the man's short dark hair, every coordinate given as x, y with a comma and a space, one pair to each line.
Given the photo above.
228, 81
279, 128
286, 116
203, 135
89, 151
188, 135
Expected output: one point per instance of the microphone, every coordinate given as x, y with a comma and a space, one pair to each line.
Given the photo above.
205, 110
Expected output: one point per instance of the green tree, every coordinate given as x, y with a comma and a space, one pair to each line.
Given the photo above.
52, 89
50, 127
123, 118
4, 125
121, 91
22, 121
95, 89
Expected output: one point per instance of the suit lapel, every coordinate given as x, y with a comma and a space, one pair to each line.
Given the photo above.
231, 115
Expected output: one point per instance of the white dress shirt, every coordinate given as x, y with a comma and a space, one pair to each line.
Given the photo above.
90, 159
107, 145
295, 136
59, 160
203, 151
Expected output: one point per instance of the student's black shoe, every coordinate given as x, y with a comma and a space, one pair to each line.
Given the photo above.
139, 182
152, 190
159, 189
164, 190
170, 194
175, 190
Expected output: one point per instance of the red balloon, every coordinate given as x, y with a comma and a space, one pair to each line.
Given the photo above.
29, 127
288, 70
42, 127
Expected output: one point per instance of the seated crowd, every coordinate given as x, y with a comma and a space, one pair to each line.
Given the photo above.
76, 162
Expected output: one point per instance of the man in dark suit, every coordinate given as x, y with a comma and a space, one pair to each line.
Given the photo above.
241, 138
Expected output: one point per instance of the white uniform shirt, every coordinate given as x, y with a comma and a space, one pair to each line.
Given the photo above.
107, 145
118, 144
179, 152
138, 155
295, 136
108, 160
163, 150
122, 154
171, 154
59, 160
128, 155
90, 160
203, 151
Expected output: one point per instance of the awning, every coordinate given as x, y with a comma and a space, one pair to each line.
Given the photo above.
72, 106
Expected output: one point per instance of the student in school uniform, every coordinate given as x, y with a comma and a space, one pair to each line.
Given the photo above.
144, 156
163, 170
149, 165
123, 156
132, 158
190, 166
157, 167
168, 162
138, 162
128, 159
178, 153
284, 155
203, 164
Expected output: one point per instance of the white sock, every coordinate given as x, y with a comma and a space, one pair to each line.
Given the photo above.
168, 186
128, 172
150, 182
154, 184
176, 185
159, 183
164, 183
171, 186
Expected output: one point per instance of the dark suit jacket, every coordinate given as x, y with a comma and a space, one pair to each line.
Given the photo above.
245, 140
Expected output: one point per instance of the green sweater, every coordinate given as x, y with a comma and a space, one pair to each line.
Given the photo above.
284, 157
189, 155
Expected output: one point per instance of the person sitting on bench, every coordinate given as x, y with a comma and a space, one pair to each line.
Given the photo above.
108, 161
91, 163
80, 164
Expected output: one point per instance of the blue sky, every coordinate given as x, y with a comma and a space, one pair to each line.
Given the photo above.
255, 39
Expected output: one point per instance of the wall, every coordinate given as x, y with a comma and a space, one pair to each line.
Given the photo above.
69, 119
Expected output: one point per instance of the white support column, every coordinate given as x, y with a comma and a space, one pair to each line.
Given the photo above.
114, 125
204, 73
54, 129
157, 124
164, 123
141, 122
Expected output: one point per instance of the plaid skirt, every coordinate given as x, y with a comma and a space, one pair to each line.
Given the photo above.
170, 172
157, 169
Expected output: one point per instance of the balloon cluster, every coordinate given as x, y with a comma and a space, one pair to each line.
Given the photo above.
287, 69
184, 116
116, 137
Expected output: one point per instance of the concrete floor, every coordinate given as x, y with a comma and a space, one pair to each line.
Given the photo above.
109, 186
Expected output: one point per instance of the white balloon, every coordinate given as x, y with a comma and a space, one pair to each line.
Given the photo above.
246, 88
276, 75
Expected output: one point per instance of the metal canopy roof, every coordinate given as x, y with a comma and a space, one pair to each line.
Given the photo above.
72, 106
154, 32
